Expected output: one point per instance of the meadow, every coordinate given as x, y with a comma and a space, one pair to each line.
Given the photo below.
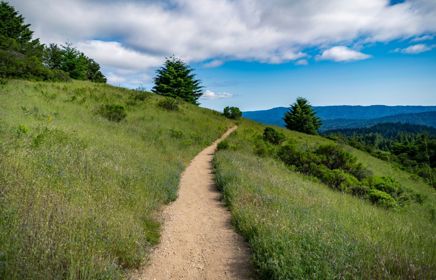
299, 228
84, 169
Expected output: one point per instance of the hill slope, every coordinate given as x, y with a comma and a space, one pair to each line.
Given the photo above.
336, 117
299, 228
78, 193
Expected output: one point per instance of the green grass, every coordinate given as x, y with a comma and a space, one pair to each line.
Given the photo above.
299, 228
79, 194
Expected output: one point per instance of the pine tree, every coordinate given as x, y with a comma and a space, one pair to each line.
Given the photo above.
301, 117
176, 79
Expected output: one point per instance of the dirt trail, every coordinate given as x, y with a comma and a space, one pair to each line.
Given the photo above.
198, 241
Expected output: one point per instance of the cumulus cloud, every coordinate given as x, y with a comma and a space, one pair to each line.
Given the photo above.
342, 54
274, 31
415, 49
210, 95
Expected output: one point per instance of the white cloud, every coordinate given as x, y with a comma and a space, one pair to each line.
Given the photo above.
274, 31
342, 54
113, 54
210, 95
302, 62
214, 63
415, 49
423, 38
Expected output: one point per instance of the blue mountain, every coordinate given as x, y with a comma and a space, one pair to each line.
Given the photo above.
336, 117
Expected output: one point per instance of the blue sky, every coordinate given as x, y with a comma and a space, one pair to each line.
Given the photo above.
388, 77
257, 54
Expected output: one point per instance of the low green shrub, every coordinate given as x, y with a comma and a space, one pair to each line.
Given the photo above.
113, 112
273, 136
3, 81
170, 104
22, 129
264, 149
382, 198
175, 133
223, 145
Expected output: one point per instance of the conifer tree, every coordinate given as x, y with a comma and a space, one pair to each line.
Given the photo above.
176, 79
301, 117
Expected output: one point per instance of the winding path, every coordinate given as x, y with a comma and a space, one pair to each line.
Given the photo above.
198, 241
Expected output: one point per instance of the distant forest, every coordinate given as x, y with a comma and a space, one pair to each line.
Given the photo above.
413, 147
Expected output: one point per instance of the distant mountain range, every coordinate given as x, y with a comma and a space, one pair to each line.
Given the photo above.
339, 117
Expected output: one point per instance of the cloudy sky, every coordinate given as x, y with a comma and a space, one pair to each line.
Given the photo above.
257, 54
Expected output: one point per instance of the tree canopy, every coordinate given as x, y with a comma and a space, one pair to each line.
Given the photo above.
70, 60
301, 117
22, 56
176, 79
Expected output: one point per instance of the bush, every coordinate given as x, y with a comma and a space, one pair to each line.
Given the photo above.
232, 113
263, 149
59, 76
337, 178
140, 95
385, 184
382, 199
113, 112
334, 157
223, 145
174, 133
305, 161
273, 136
359, 190
170, 104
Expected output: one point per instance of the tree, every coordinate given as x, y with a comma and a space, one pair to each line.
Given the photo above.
70, 60
232, 112
176, 79
301, 117
20, 54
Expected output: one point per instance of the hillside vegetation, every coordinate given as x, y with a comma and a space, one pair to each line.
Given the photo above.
412, 147
83, 169
301, 228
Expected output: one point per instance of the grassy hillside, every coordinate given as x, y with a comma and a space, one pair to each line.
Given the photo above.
79, 193
299, 228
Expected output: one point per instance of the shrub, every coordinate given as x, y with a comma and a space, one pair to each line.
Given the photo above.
174, 133
170, 104
382, 199
59, 76
334, 157
273, 136
337, 178
232, 113
113, 112
305, 161
22, 129
386, 184
359, 190
263, 149
140, 95
223, 145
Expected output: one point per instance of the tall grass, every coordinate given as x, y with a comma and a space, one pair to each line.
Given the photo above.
79, 193
299, 228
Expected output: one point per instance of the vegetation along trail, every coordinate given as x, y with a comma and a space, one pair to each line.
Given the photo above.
198, 241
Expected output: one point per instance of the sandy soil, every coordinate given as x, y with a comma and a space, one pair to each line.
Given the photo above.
198, 241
